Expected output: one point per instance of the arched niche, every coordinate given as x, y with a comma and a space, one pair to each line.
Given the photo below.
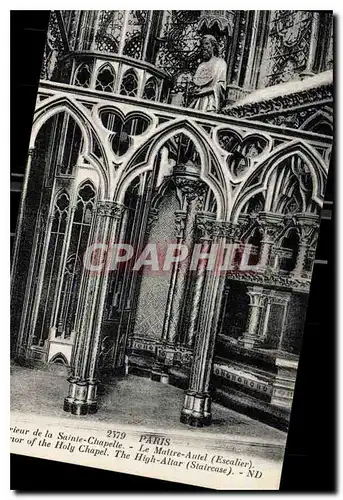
92, 151
320, 123
295, 171
59, 144
288, 251
59, 359
170, 134
151, 88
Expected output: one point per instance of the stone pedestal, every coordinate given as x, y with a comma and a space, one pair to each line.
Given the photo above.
284, 383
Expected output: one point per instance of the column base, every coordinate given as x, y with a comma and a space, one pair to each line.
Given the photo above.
79, 407
68, 404
249, 342
81, 399
196, 410
196, 421
83, 408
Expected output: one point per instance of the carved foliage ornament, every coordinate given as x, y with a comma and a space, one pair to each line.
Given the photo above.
109, 208
281, 103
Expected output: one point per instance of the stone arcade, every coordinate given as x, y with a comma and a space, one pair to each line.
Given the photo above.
118, 154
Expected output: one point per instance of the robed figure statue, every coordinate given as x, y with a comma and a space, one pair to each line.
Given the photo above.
209, 78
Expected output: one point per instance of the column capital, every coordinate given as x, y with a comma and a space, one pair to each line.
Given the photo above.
191, 187
256, 295
245, 223
207, 227
270, 224
109, 208
230, 230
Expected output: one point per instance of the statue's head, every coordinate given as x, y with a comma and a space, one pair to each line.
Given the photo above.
209, 47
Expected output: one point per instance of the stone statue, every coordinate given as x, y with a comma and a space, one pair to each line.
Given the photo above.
209, 78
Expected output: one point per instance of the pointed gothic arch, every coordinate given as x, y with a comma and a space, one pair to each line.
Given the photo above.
257, 181
50, 107
136, 164
319, 120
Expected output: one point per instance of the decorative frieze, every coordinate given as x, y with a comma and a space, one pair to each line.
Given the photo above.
279, 105
109, 208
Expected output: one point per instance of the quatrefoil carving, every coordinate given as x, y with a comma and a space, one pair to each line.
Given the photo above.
242, 150
123, 128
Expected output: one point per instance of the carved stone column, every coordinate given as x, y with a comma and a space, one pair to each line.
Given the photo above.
205, 226
26, 330
313, 46
257, 297
270, 224
193, 190
83, 381
196, 409
308, 225
165, 355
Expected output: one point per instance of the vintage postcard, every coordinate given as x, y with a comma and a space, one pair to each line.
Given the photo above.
165, 241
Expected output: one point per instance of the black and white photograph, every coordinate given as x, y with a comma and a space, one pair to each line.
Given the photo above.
166, 236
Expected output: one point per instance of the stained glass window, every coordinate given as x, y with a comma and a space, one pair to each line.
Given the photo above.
129, 84
105, 79
83, 75
72, 273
